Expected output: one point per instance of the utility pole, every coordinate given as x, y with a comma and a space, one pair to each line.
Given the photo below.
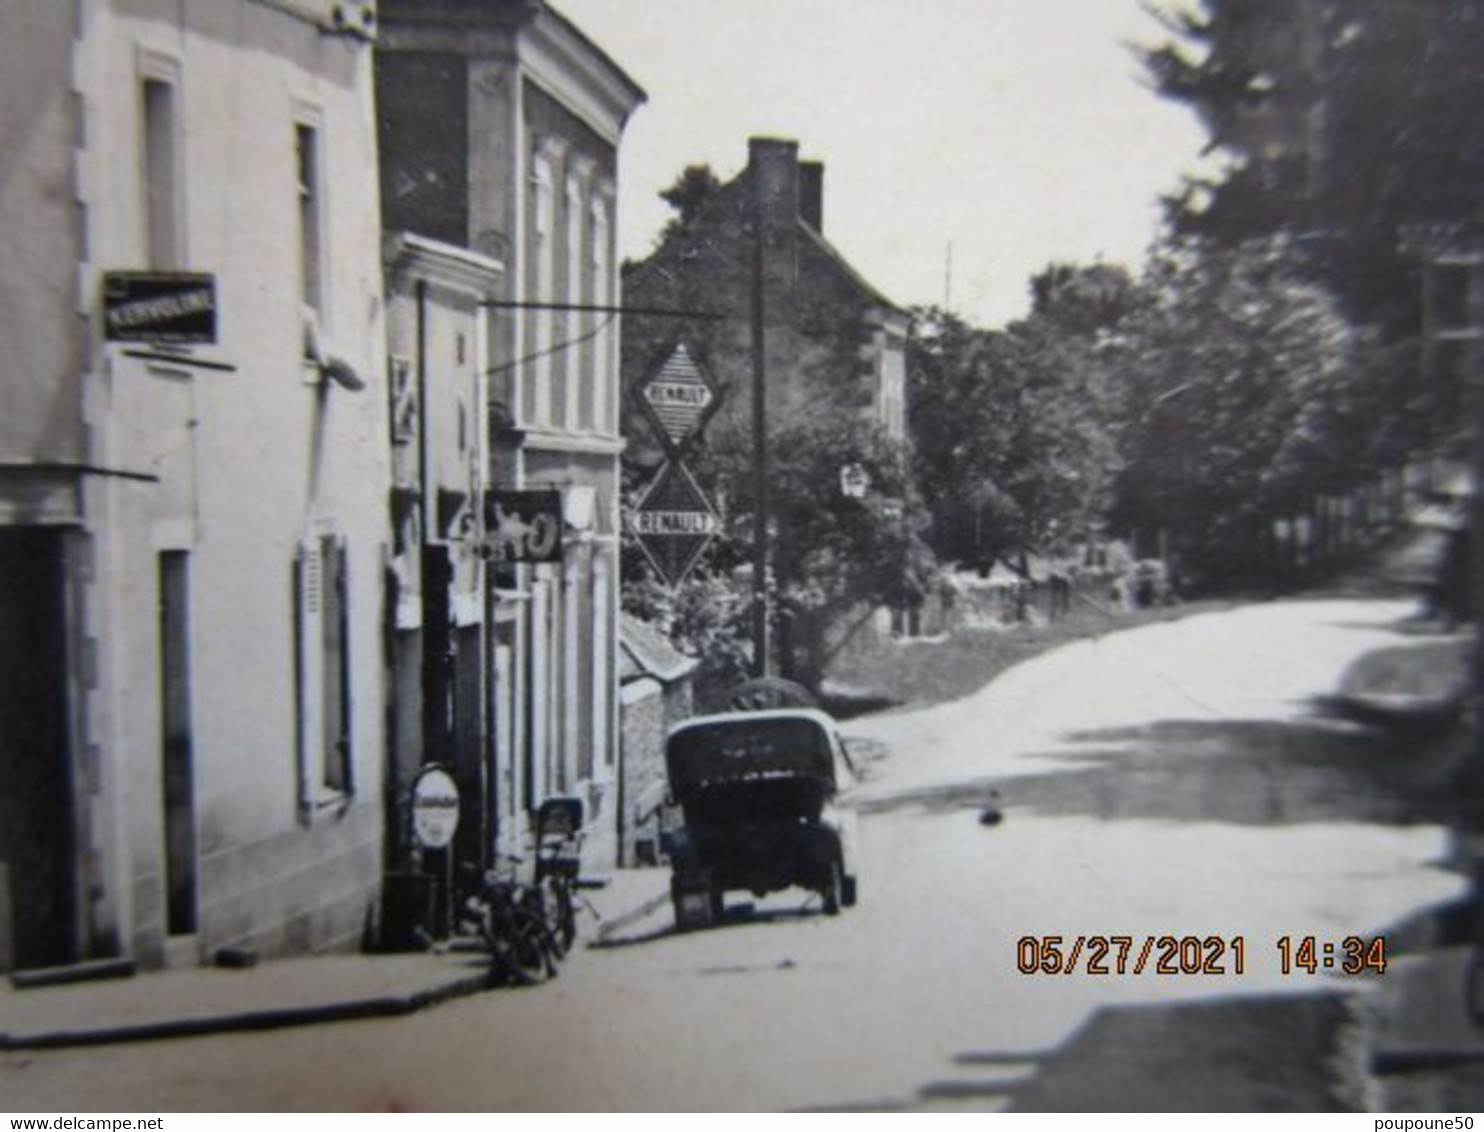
761, 636
1475, 410
948, 277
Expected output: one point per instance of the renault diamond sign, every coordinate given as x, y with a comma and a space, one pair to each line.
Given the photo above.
674, 523
677, 397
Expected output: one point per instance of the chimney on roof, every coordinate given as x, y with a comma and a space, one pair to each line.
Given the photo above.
775, 162
811, 194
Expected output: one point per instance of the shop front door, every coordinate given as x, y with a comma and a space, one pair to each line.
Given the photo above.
37, 883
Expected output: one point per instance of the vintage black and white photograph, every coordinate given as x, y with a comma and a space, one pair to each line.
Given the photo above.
741, 555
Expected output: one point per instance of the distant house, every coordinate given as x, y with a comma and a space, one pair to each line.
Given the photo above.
835, 344
656, 692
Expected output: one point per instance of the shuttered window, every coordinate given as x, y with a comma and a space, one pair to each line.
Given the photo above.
322, 670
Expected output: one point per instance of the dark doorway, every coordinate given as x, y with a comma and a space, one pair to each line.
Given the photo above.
472, 840
438, 646
36, 819
178, 754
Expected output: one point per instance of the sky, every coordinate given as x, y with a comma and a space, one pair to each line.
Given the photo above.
1013, 132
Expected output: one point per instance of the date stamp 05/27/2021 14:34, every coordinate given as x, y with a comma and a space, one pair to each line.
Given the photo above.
1212, 955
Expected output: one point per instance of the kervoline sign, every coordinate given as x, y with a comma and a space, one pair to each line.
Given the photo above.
159, 306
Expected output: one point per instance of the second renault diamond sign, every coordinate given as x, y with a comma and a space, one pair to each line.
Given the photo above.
674, 523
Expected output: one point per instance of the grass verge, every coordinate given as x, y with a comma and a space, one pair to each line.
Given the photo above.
913, 672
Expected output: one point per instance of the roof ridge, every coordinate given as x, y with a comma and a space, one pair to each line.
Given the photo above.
866, 287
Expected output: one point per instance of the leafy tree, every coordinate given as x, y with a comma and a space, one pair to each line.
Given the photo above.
1238, 392
1010, 428
950, 376
705, 617
1345, 123
691, 190
830, 550
1084, 301
1349, 146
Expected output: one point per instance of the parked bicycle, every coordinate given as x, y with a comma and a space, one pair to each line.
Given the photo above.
510, 918
558, 863
527, 928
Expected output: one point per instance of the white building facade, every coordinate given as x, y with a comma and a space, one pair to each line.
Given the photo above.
197, 531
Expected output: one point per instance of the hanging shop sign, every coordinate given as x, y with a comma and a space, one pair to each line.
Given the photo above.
159, 306
677, 397
435, 808
523, 526
674, 523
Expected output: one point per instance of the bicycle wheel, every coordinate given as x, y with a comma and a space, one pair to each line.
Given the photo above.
551, 904
563, 917
531, 957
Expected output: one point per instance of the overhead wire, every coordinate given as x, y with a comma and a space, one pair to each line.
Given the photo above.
555, 348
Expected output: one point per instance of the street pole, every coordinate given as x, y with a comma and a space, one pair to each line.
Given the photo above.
761, 639
1475, 409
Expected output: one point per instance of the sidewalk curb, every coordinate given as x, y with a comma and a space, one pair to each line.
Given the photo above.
632, 916
380, 1006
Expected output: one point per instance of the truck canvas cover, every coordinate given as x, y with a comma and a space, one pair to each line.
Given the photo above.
749, 749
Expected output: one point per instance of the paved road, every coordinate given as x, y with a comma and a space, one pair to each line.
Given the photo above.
1169, 780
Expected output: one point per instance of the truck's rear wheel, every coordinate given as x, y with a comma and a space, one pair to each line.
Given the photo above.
696, 905
832, 892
